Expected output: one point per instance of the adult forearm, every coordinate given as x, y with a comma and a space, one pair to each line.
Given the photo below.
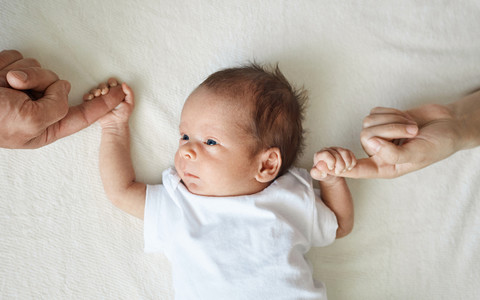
467, 114
336, 195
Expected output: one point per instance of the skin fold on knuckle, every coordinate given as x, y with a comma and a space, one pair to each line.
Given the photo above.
31, 62
365, 135
8, 57
394, 127
368, 121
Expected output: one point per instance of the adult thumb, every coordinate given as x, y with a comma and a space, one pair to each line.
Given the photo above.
391, 153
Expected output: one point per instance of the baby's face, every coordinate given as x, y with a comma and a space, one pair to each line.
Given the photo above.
214, 157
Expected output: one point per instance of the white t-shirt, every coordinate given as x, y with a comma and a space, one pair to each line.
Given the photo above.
243, 247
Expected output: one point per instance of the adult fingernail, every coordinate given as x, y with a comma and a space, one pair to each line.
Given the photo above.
20, 75
374, 145
412, 129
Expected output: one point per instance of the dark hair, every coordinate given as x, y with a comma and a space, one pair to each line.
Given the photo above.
276, 107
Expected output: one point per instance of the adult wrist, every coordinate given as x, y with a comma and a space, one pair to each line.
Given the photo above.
466, 113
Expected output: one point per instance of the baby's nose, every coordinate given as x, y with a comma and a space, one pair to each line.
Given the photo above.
188, 152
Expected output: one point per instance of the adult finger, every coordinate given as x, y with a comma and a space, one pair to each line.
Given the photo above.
81, 116
385, 132
92, 110
8, 57
54, 104
389, 110
19, 64
370, 168
412, 152
390, 131
375, 167
365, 168
382, 119
33, 78
22, 63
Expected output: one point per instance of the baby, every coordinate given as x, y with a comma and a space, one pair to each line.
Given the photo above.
234, 217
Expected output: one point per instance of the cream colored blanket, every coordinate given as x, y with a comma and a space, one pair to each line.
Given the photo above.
415, 237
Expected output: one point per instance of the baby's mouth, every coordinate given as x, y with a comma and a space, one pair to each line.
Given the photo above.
189, 175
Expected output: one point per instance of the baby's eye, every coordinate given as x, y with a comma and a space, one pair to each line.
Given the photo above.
184, 137
211, 142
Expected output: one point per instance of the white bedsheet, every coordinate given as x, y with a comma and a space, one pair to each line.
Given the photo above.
415, 237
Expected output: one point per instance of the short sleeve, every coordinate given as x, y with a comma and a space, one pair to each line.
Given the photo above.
154, 239
325, 224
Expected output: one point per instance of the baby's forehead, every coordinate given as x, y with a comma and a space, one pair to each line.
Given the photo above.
220, 101
217, 108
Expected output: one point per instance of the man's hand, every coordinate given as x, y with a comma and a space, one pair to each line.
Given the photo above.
34, 104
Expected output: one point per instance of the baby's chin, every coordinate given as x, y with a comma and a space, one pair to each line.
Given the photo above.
196, 189
201, 191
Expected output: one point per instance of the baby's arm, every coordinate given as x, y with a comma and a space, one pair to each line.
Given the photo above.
116, 169
328, 163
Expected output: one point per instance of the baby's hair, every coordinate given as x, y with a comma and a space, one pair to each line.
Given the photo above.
277, 108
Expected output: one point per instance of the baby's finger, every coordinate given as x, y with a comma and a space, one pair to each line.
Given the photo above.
88, 97
320, 170
129, 96
340, 165
96, 92
325, 156
317, 174
348, 158
352, 160
353, 163
103, 88
112, 82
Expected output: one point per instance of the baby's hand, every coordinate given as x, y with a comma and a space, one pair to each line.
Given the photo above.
329, 163
120, 114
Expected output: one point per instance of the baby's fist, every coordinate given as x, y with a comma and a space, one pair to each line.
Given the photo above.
331, 162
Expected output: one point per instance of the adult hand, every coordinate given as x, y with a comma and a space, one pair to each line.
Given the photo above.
399, 142
34, 104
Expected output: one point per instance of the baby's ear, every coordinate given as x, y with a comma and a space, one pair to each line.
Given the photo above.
270, 163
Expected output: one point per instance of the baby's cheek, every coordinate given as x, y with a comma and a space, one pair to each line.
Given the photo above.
177, 162
216, 178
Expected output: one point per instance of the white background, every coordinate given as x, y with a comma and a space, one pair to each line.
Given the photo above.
415, 237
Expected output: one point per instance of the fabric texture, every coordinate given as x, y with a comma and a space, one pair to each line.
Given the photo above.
244, 247
415, 237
